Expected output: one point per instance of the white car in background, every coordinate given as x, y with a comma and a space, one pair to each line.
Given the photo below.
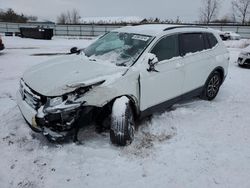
228, 35
125, 75
232, 35
244, 57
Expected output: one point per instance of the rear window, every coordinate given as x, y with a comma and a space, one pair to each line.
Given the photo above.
192, 42
207, 43
212, 40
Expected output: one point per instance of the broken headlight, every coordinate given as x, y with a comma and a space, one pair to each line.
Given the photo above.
62, 104
69, 101
55, 101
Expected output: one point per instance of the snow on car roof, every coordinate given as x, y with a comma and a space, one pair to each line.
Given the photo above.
148, 29
155, 29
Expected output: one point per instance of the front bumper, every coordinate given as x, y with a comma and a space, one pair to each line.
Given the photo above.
27, 111
54, 126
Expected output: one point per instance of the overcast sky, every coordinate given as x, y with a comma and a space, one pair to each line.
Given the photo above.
187, 10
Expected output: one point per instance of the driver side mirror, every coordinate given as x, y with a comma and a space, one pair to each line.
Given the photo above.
152, 61
74, 50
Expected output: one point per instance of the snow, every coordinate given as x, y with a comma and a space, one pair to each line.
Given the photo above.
194, 143
237, 43
119, 107
146, 29
111, 20
246, 49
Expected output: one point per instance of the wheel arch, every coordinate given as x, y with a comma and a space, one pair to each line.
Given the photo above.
220, 70
133, 102
217, 70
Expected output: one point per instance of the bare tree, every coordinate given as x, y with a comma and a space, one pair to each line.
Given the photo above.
75, 16
62, 19
241, 10
69, 17
32, 18
11, 16
209, 10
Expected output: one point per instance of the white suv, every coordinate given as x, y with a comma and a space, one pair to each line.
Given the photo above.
126, 74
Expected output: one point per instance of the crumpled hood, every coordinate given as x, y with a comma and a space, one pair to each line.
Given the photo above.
65, 74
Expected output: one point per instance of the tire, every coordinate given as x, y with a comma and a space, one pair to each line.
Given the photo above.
212, 86
122, 122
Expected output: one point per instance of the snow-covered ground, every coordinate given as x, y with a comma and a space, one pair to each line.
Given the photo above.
195, 144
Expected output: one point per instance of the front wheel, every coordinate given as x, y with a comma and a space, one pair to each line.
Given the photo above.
122, 122
212, 86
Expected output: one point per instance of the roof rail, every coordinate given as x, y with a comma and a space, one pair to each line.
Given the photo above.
184, 26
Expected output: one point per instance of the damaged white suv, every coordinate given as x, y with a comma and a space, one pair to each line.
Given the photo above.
126, 74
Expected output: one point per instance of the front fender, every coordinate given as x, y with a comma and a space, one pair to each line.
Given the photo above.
101, 95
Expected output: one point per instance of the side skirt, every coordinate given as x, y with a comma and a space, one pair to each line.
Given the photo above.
165, 105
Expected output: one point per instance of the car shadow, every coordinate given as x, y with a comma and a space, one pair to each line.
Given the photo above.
2, 53
50, 54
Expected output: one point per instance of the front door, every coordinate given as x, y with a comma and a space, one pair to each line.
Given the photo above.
159, 87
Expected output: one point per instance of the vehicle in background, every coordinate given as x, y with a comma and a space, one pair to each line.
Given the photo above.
232, 35
1, 44
244, 57
222, 34
227, 35
127, 74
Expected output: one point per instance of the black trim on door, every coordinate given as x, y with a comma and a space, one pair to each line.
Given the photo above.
165, 105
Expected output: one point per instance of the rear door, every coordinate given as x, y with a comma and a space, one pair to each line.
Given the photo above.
194, 48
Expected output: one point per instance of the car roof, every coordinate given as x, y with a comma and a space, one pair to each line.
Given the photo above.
156, 29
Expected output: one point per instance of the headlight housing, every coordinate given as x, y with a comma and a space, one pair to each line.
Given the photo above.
55, 101
67, 98
62, 104
69, 101
58, 105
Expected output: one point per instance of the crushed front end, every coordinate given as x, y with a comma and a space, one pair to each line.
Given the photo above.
244, 59
57, 118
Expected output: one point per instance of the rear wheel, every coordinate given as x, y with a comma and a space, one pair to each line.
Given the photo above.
212, 86
122, 122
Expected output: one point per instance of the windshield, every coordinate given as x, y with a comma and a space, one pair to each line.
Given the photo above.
121, 49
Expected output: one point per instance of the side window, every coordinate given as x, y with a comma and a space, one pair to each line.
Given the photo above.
207, 44
192, 42
167, 48
212, 40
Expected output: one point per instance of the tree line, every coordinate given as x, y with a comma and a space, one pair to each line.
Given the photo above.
240, 12
11, 16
